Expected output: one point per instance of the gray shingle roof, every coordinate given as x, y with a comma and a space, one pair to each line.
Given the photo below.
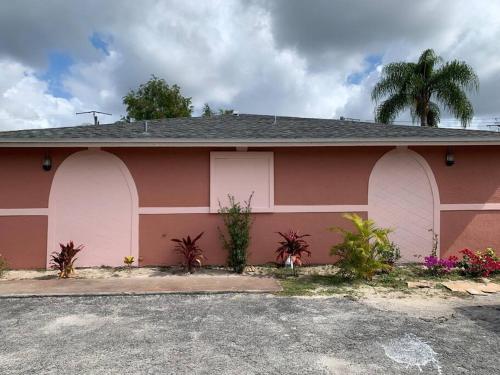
241, 128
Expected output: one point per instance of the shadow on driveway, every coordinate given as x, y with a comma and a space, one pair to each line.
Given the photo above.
487, 317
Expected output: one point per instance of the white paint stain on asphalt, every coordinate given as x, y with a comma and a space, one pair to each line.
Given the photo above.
75, 321
411, 351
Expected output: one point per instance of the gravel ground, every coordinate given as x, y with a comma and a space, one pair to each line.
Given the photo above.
243, 334
140, 272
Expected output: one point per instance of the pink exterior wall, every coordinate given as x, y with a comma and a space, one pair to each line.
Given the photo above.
476, 230
315, 176
306, 177
93, 201
23, 241
156, 231
23, 182
169, 177
403, 196
242, 175
319, 176
475, 177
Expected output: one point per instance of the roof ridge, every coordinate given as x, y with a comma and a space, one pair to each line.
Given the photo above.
245, 126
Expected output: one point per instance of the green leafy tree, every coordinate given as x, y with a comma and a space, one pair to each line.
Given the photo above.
207, 111
422, 87
155, 99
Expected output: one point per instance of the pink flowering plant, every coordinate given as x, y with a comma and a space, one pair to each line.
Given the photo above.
438, 267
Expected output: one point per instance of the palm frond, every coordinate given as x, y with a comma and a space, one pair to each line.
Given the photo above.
388, 110
426, 62
396, 77
457, 72
456, 102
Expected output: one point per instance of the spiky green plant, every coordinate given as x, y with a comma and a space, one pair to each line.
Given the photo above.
361, 251
423, 87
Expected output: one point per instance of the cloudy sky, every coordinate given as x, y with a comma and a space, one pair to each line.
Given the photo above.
317, 58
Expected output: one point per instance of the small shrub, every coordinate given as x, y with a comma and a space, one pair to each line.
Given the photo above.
478, 263
292, 245
3, 265
439, 267
64, 260
360, 251
435, 243
128, 261
192, 254
238, 221
390, 253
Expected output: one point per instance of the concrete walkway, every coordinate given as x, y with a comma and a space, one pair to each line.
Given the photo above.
150, 285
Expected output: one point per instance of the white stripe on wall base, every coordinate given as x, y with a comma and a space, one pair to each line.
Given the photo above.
323, 208
277, 209
471, 207
173, 210
24, 211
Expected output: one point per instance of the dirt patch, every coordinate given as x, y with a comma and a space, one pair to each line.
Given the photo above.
121, 272
107, 273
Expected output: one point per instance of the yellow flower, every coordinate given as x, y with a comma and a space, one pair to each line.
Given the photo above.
128, 260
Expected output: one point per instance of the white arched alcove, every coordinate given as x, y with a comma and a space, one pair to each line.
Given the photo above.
93, 201
403, 195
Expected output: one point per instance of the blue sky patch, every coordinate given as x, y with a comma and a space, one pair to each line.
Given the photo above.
371, 62
59, 65
100, 42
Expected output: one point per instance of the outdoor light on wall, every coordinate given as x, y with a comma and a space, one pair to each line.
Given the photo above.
47, 163
450, 158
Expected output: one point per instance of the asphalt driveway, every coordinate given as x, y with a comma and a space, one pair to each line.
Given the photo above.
239, 334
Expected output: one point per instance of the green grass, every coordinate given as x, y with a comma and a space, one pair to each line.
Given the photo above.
332, 284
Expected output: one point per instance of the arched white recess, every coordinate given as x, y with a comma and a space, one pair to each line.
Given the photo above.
403, 195
93, 201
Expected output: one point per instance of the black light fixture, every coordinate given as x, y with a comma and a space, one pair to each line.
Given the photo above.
450, 158
47, 162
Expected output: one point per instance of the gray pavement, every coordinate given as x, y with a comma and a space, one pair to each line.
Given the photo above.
138, 285
240, 334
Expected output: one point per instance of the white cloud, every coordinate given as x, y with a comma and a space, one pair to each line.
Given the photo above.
24, 102
94, 85
274, 57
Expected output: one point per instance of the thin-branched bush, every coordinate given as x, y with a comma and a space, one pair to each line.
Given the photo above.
237, 221
3, 265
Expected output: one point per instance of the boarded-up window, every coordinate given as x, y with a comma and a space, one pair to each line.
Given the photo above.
240, 174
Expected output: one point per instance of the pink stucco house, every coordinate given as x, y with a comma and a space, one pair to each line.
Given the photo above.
124, 189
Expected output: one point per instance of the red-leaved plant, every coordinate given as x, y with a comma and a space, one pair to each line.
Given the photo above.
64, 260
292, 245
191, 253
479, 263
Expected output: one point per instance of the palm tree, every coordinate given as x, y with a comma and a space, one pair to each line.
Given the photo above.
421, 86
